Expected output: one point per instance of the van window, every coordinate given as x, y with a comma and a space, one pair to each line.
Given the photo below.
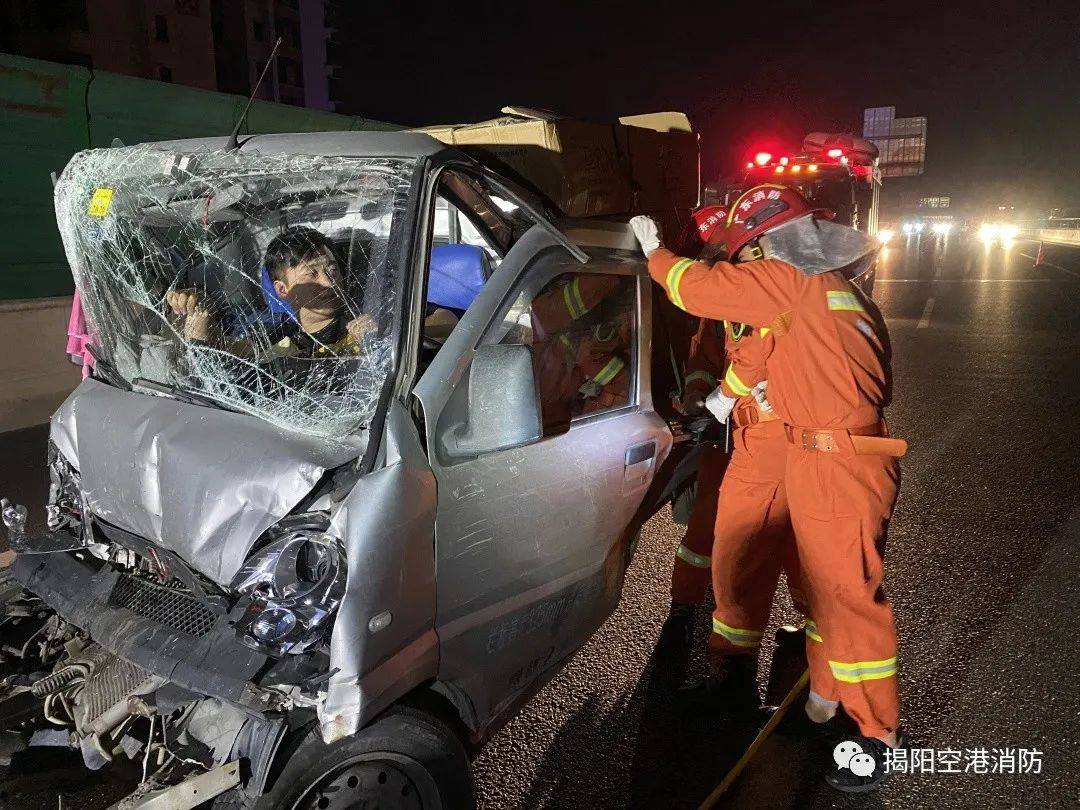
582, 328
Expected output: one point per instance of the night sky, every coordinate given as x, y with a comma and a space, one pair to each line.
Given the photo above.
999, 82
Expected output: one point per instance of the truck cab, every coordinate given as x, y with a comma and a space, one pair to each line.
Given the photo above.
278, 564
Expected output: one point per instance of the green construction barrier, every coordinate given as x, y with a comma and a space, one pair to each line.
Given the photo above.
50, 111
42, 123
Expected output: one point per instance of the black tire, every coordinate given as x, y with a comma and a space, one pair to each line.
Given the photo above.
406, 759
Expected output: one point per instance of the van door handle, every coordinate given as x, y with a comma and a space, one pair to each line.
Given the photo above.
638, 464
641, 452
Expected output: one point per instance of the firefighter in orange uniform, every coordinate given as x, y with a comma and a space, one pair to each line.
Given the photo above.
745, 542
829, 379
704, 366
582, 337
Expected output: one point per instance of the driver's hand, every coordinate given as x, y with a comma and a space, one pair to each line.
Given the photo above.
197, 325
360, 327
187, 303
182, 302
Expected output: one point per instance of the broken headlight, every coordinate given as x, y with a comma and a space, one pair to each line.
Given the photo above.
293, 586
65, 507
66, 514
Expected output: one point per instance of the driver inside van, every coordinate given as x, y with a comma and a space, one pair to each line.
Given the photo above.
318, 322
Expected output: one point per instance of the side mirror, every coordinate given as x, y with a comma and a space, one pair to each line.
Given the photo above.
502, 409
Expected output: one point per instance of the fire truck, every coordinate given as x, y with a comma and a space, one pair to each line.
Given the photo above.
833, 171
838, 172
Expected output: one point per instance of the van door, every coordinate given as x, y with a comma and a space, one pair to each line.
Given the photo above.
531, 539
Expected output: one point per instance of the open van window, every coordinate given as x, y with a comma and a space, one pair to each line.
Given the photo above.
262, 284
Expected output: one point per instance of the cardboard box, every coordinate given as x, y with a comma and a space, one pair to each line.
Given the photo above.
587, 169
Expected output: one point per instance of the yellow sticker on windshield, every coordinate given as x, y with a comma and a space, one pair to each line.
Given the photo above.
100, 202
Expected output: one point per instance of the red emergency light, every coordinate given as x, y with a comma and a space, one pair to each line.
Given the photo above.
779, 170
750, 165
835, 153
761, 158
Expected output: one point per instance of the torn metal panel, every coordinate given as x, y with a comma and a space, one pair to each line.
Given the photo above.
190, 793
265, 284
387, 523
229, 477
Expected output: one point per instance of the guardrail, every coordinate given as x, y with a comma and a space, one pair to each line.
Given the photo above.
1053, 231
1059, 236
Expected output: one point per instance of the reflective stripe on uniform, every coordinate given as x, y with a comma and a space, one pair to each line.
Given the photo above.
604, 332
575, 304
692, 557
740, 638
737, 330
610, 371
763, 331
858, 671
704, 376
843, 300
812, 631
674, 276
735, 384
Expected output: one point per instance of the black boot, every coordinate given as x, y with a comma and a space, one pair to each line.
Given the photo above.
678, 629
730, 688
673, 646
866, 769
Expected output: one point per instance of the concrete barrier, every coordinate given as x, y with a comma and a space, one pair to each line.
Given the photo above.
35, 373
1058, 236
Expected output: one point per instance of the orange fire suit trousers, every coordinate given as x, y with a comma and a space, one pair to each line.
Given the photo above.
690, 574
753, 542
840, 506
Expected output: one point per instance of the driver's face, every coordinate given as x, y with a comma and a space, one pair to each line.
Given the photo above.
314, 284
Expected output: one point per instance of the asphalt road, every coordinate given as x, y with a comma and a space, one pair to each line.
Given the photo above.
981, 570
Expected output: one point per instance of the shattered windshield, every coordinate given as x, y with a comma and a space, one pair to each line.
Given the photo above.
263, 284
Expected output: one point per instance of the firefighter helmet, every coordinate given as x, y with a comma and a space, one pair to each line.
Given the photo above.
759, 210
710, 220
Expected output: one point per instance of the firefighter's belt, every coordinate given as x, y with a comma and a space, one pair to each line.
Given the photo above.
750, 413
872, 440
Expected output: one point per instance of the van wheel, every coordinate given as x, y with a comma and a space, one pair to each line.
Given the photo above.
405, 760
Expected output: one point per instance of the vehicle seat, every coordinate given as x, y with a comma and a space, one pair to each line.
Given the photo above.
458, 272
279, 308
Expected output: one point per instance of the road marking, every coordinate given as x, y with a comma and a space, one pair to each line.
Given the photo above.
1051, 264
924, 321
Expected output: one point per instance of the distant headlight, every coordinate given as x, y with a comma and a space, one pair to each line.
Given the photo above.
988, 231
1008, 232
941, 228
293, 586
885, 236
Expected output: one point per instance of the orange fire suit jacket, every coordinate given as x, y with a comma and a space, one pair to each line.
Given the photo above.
829, 363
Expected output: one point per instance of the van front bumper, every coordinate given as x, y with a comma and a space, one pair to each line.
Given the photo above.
204, 656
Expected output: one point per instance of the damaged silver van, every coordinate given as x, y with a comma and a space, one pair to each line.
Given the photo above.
357, 470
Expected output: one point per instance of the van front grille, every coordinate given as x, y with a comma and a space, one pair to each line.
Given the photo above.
168, 606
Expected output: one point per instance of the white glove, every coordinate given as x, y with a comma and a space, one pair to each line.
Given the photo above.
758, 392
647, 232
719, 405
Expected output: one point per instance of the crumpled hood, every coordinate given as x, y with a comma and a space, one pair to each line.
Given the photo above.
201, 482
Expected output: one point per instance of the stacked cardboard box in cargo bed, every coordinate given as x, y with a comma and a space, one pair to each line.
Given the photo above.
643, 164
